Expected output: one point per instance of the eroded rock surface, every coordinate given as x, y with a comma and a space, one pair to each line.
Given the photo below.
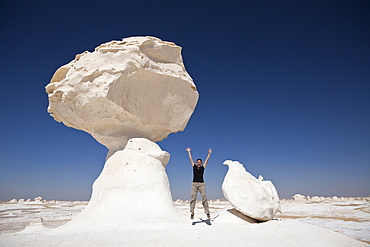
132, 189
255, 198
137, 87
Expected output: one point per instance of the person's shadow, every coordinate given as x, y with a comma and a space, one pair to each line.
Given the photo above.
207, 221
232, 211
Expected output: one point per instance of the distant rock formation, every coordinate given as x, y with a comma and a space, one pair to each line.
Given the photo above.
137, 87
299, 197
335, 199
253, 197
318, 199
35, 227
38, 199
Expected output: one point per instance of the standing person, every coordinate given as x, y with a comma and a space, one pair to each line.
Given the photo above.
198, 183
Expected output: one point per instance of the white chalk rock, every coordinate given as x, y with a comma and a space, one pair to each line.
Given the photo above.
178, 202
335, 199
315, 199
38, 199
255, 198
35, 226
137, 87
300, 198
132, 189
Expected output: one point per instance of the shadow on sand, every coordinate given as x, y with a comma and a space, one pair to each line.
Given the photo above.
234, 212
207, 221
243, 216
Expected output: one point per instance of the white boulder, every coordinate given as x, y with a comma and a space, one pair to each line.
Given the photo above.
335, 199
315, 199
38, 199
178, 201
300, 198
35, 226
255, 198
132, 189
137, 87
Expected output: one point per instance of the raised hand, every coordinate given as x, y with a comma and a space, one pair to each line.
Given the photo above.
191, 158
209, 155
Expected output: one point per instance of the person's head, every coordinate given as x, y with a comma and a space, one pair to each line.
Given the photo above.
199, 162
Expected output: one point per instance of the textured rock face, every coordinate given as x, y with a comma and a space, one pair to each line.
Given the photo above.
137, 87
132, 189
255, 198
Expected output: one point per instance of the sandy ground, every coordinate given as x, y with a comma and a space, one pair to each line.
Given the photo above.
339, 223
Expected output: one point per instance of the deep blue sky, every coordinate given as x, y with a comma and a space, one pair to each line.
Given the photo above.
284, 89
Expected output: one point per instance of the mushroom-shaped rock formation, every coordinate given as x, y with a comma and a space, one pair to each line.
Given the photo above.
255, 198
126, 94
137, 87
132, 189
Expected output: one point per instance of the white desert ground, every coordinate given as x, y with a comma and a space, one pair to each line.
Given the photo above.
313, 222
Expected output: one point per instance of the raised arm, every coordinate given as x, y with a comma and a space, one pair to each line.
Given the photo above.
209, 155
191, 158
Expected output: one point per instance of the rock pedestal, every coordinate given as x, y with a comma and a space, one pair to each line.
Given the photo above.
132, 189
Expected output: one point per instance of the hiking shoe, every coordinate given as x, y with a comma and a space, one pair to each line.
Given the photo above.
192, 216
208, 216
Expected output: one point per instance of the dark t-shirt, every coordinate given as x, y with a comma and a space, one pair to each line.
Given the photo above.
198, 174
